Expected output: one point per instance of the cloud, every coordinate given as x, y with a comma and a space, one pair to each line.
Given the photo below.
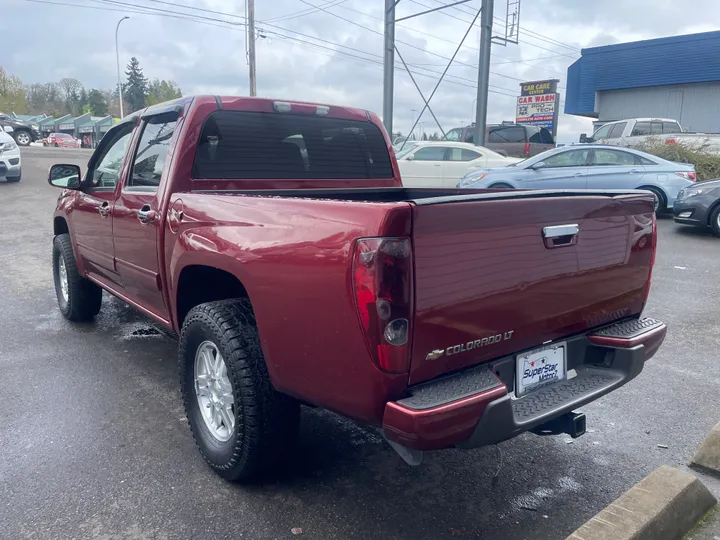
346, 66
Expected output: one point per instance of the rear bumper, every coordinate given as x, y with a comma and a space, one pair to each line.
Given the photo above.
478, 407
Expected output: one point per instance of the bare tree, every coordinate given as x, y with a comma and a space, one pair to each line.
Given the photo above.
70, 87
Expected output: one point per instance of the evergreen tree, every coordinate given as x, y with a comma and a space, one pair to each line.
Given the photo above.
96, 103
136, 89
159, 91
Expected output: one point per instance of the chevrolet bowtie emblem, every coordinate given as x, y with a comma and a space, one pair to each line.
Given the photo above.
434, 355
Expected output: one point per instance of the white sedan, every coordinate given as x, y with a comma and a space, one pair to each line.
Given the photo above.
444, 163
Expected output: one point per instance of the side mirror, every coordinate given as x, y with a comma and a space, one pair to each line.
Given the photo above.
410, 157
64, 176
538, 165
583, 138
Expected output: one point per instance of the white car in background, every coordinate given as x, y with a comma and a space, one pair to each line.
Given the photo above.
10, 166
444, 163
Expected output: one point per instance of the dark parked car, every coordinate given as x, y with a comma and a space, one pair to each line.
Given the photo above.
699, 205
23, 132
512, 140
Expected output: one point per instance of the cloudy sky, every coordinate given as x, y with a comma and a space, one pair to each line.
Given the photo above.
333, 54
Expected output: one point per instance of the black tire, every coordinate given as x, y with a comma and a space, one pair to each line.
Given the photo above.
500, 185
84, 297
23, 138
56, 145
660, 200
11, 179
266, 421
715, 221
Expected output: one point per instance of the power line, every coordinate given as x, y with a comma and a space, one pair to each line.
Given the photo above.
304, 12
540, 37
466, 45
234, 26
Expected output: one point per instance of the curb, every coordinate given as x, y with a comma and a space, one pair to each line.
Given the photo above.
664, 505
707, 458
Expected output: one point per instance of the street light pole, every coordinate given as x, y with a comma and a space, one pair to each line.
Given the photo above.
251, 46
117, 57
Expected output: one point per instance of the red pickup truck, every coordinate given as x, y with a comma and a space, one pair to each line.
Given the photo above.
277, 240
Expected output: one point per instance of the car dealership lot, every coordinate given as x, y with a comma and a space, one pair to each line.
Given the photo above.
93, 439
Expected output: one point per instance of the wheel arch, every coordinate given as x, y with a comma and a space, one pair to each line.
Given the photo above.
60, 226
650, 187
714, 206
200, 283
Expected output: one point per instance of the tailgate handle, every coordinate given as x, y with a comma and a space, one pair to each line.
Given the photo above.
560, 235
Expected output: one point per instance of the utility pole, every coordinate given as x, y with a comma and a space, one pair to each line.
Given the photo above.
389, 65
251, 46
486, 23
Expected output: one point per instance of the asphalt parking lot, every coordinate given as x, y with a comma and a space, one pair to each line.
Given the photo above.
94, 442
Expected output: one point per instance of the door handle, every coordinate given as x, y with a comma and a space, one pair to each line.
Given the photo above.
634, 171
104, 209
579, 174
146, 214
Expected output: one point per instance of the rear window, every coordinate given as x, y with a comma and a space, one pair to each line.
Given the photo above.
671, 127
514, 134
289, 146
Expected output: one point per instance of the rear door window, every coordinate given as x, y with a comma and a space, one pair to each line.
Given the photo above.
252, 145
430, 153
609, 158
641, 128
617, 130
150, 157
546, 136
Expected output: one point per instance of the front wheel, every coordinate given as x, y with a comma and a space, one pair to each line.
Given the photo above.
715, 221
241, 424
23, 138
78, 298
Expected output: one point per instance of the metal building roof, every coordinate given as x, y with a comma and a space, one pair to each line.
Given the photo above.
692, 58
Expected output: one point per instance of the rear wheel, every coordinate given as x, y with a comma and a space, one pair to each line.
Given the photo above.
23, 138
241, 424
660, 200
78, 298
500, 185
715, 221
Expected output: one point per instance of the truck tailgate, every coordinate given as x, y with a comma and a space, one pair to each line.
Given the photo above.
487, 284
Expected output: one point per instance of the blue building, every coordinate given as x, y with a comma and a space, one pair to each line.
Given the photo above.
675, 77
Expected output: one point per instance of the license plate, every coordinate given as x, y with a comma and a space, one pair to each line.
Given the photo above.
540, 367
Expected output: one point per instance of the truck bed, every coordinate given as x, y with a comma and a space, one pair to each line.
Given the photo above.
419, 196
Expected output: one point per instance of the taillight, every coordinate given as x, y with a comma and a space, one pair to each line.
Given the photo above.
671, 140
527, 147
652, 259
691, 175
382, 278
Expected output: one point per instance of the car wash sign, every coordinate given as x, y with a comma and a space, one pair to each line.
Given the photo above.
538, 104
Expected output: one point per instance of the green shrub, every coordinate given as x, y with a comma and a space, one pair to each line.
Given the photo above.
707, 164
